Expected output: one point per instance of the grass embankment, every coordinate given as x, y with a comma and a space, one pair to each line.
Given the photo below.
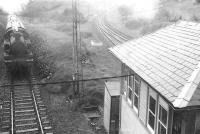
52, 45
3, 20
2, 31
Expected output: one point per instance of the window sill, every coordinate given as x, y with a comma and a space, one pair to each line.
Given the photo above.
135, 109
129, 102
150, 129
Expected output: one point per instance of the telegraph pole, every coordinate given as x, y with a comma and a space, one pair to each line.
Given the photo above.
77, 63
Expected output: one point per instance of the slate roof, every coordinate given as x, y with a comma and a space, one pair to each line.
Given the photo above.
169, 60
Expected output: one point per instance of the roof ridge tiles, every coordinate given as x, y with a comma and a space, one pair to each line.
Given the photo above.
188, 90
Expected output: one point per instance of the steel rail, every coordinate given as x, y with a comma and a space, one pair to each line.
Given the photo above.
12, 112
113, 35
38, 115
114, 40
109, 36
117, 31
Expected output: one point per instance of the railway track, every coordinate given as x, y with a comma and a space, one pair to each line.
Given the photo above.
23, 111
112, 34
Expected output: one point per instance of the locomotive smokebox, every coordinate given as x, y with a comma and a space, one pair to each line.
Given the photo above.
18, 47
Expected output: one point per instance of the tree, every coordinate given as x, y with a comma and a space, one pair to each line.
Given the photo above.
196, 1
124, 12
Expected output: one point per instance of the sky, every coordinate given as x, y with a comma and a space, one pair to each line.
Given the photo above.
145, 7
12, 5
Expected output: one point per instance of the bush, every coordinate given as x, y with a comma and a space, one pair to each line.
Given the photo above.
163, 15
64, 28
3, 20
54, 89
67, 12
40, 53
150, 28
135, 24
195, 18
32, 9
2, 31
41, 9
93, 97
86, 34
197, 1
124, 12
94, 101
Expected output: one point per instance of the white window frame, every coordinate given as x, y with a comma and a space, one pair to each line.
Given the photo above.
152, 94
164, 105
130, 88
125, 86
134, 94
124, 79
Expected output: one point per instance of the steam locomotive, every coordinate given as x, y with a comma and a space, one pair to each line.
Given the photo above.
17, 55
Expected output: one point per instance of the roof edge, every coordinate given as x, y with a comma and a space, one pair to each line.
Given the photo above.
112, 51
188, 90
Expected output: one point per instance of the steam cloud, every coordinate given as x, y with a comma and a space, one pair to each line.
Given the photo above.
140, 8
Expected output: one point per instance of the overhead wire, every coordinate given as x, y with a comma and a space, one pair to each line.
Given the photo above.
66, 82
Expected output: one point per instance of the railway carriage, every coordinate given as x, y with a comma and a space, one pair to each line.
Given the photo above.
17, 54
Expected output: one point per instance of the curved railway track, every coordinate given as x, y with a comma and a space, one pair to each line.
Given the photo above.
112, 34
23, 110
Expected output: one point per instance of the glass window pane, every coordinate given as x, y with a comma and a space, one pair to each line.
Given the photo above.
161, 129
152, 104
137, 78
130, 81
151, 121
163, 115
136, 102
125, 78
130, 94
137, 86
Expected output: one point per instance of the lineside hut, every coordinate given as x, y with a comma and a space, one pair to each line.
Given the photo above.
111, 107
163, 94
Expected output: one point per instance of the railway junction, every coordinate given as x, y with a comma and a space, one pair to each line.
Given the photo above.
98, 79
23, 110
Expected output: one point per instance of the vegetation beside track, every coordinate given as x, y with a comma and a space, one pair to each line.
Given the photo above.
3, 20
54, 37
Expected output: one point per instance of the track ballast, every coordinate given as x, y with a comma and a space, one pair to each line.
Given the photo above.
23, 110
